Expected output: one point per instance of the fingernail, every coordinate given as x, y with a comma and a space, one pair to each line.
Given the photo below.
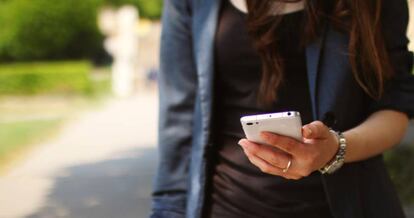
309, 130
240, 142
243, 144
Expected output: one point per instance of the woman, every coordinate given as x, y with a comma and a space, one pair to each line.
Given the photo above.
343, 64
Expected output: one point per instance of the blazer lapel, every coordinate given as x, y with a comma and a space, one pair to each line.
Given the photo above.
204, 28
313, 57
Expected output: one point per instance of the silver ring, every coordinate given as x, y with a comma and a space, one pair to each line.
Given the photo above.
288, 166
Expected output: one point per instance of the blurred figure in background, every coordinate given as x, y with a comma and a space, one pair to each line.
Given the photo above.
122, 44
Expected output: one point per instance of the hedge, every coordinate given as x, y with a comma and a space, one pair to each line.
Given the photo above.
150, 9
45, 78
59, 30
41, 29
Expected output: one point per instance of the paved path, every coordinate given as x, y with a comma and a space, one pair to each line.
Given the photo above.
100, 166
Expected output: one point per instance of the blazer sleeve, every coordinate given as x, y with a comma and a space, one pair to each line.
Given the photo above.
399, 91
177, 87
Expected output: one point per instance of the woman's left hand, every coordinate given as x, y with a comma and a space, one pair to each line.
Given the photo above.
319, 146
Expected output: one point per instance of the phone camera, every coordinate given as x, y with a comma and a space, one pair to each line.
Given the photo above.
249, 124
289, 113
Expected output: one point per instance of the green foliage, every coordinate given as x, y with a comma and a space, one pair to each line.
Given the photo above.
44, 29
40, 29
147, 8
400, 164
45, 78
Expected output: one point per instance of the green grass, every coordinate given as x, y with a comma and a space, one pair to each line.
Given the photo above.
100, 82
36, 98
16, 136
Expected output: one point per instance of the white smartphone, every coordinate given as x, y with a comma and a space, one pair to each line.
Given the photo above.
286, 123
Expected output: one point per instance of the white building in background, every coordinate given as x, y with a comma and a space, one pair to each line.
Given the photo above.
120, 28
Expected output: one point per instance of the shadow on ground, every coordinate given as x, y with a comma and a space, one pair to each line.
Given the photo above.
118, 187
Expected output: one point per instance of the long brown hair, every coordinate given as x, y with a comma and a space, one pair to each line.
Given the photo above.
360, 19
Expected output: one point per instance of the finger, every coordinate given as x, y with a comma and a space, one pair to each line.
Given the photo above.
284, 143
269, 169
250, 148
248, 145
306, 132
264, 166
270, 154
315, 130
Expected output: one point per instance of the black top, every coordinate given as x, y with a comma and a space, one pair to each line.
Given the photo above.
240, 189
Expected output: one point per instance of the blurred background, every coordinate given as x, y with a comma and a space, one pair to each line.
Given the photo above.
78, 109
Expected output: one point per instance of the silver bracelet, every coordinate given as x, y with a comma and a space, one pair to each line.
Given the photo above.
339, 159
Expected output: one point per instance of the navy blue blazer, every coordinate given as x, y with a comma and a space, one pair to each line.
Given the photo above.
357, 190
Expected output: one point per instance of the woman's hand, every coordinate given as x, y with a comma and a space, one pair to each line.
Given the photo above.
319, 146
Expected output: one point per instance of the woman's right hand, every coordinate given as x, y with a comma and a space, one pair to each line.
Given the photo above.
292, 159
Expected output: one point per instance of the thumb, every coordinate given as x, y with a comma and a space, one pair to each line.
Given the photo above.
315, 130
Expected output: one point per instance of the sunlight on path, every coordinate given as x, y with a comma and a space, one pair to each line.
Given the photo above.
121, 130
